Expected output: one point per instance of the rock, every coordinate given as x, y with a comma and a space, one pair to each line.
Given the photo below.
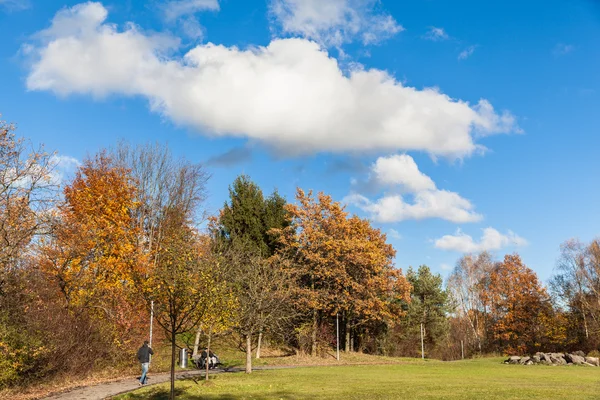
587, 364
536, 359
575, 359
524, 360
546, 358
529, 362
595, 361
513, 359
555, 358
579, 353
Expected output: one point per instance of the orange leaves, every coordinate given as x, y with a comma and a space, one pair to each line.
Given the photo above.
342, 263
517, 303
93, 250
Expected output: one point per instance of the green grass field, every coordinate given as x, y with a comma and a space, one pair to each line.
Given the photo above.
471, 379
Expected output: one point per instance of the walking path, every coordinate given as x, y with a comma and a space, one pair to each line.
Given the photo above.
106, 390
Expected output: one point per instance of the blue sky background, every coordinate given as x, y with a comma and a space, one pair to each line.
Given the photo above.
539, 60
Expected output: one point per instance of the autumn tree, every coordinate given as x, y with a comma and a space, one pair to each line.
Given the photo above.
27, 192
92, 252
517, 303
341, 265
175, 276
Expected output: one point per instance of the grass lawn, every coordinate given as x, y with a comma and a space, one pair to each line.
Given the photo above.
471, 379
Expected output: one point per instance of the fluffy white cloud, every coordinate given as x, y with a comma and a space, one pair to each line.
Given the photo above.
178, 8
401, 170
491, 240
428, 204
334, 22
428, 201
436, 34
290, 94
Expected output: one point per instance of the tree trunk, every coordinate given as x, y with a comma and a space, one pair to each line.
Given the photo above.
248, 353
208, 352
197, 342
352, 342
260, 334
173, 351
313, 338
347, 344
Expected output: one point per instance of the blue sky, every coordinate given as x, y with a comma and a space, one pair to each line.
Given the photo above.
454, 126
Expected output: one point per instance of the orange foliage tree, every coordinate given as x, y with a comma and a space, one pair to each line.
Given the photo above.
519, 307
92, 251
342, 265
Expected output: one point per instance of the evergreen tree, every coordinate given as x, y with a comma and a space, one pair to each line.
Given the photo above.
429, 306
249, 217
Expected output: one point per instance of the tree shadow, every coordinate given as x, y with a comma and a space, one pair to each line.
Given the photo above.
163, 394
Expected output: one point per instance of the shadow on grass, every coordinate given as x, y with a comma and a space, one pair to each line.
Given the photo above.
163, 394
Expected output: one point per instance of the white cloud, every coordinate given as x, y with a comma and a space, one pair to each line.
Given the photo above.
491, 240
334, 22
436, 34
15, 5
466, 53
562, 49
62, 168
178, 8
401, 170
290, 94
428, 201
428, 204
394, 234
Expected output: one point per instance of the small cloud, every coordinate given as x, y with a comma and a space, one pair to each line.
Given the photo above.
15, 5
562, 49
491, 240
179, 8
231, 157
394, 234
445, 267
436, 34
63, 168
333, 23
466, 53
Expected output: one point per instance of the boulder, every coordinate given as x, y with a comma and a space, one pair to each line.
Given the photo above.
524, 360
555, 358
595, 361
546, 358
575, 359
536, 359
579, 353
513, 359
587, 364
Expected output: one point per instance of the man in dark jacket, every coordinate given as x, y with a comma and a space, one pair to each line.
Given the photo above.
143, 356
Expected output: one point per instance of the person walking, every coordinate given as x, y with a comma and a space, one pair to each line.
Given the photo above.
143, 356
